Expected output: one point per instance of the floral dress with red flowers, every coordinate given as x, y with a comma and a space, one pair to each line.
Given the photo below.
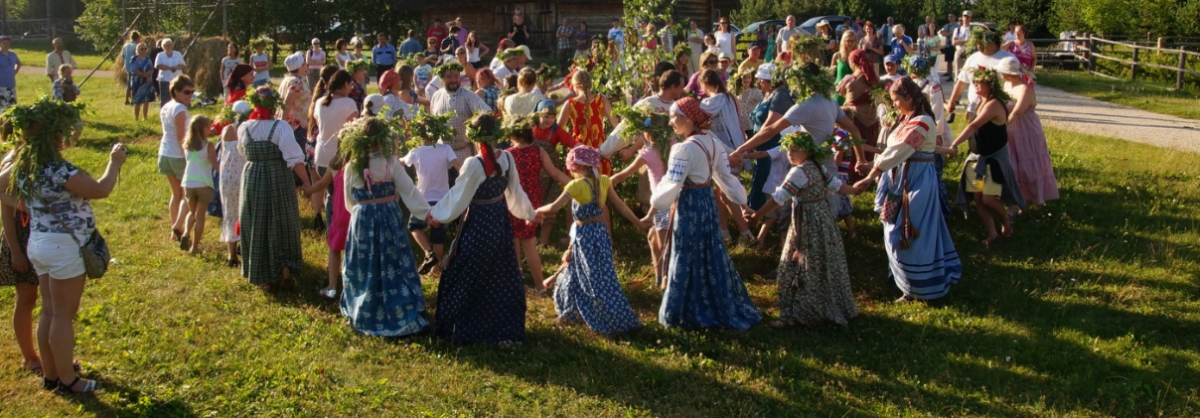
587, 126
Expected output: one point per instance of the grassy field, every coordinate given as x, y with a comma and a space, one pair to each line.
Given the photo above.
33, 54
1146, 96
1090, 310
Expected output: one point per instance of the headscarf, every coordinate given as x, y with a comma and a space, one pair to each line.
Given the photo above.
545, 105
860, 59
388, 79
582, 157
234, 82
265, 100
690, 108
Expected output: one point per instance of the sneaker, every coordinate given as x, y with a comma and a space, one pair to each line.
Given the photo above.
726, 237
431, 260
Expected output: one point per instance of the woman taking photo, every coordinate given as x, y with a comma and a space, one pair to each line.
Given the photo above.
921, 256
270, 216
171, 160
57, 195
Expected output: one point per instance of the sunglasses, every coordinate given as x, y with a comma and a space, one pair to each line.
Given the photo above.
710, 62
188, 92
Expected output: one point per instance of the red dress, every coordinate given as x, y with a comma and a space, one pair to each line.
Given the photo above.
587, 126
529, 168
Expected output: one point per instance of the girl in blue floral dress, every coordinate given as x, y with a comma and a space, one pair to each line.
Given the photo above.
588, 290
381, 288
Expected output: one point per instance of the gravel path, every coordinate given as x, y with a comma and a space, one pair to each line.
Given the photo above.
1072, 112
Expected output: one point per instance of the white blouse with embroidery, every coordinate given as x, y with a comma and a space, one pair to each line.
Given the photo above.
694, 160
469, 180
915, 135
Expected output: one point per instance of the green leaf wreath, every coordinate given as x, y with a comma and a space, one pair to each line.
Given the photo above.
362, 138
37, 127
805, 84
804, 141
644, 120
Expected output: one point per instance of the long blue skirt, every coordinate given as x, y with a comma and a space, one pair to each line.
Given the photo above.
381, 290
481, 297
703, 287
930, 265
588, 290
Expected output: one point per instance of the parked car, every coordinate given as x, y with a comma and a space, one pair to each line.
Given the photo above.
810, 26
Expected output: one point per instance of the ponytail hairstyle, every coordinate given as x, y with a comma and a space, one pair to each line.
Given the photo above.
318, 92
712, 79
485, 130
340, 80
197, 133
406, 74
584, 81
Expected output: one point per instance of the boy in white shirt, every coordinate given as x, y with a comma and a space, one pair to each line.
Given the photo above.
433, 162
779, 168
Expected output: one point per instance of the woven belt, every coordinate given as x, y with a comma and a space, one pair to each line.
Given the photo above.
693, 186
487, 201
591, 220
388, 199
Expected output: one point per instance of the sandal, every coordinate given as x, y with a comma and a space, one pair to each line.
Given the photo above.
232, 262
89, 387
431, 260
37, 370
48, 384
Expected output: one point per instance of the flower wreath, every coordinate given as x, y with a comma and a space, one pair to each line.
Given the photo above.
266, 101
645, 120
480, 136
441, 70
916, 64
804, 141
991, 78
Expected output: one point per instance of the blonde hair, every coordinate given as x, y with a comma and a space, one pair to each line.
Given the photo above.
845, 49
583, 80
527, 77
197, 133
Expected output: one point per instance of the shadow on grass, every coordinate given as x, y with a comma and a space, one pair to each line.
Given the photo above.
135, 403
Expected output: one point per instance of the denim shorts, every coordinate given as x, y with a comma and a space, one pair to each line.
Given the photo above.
436, 235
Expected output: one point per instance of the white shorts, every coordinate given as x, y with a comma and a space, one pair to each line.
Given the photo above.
56, 255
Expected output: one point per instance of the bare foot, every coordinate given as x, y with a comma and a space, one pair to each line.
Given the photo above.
987, 243
1006, 228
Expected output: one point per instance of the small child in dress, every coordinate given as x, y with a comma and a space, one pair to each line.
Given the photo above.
588, 290
531, 161
650, 157
432, 162
66, 90
339, 223
197, 182
779, 169
842, 154
548, 135
230, 165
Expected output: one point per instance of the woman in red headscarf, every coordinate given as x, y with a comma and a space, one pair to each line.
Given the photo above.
859, 107
239, 80
703, 287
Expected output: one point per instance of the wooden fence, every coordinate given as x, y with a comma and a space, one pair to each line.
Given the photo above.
1091, 51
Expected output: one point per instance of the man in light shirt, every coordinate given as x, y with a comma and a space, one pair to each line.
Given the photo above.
961, 34
786, 32
57, 58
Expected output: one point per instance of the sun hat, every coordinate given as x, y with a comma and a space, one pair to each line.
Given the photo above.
967, 13
1008, 66
293, 62
724, 57
823, 22
766, 72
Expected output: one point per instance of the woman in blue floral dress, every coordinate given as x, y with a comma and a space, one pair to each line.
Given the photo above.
588, 290
381, 288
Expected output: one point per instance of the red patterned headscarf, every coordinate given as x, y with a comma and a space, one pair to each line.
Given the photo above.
860, 59
387, 80
690, 108
582, 157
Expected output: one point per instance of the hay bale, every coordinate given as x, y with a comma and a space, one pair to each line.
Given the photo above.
203, 62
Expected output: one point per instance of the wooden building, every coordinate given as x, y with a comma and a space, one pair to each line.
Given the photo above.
491, 19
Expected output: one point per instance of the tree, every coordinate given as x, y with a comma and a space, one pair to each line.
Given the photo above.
1187, 20
1031, 13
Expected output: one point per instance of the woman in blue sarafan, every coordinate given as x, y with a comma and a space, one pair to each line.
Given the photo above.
703, 288
921, 256
381, 292
481, 297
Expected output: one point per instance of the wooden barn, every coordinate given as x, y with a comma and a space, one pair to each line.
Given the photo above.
490, 19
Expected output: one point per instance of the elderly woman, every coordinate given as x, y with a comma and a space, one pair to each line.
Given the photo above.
921, 256
1026, 138
270, 215
141, 82
57, 195
170, 64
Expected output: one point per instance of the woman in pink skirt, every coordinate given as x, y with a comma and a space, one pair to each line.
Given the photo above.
1026, 139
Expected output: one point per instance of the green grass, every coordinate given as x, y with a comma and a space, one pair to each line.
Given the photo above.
1141, 95
1089, 311
33, 54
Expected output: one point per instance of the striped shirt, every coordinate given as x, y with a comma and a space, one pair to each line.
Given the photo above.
464, 103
